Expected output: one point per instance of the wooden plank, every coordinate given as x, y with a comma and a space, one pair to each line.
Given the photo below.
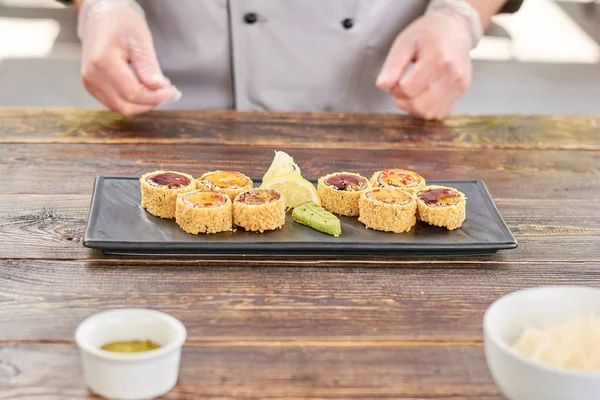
296, 372
71, 169
254, 301
52, 226
317, 130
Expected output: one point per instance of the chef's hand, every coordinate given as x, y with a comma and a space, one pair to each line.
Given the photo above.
114, 34
439, 44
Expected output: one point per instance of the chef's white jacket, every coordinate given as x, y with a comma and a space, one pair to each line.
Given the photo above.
287, 55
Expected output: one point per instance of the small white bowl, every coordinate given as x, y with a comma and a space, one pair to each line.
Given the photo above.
131, 376
520, 378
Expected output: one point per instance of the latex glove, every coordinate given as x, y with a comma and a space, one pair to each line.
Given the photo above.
114, 34
439, 44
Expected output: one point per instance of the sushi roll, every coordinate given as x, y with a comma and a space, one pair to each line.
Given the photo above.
160, 189
388, 210
398, 178
441, 206
259, 210
203, 212
340, 191
231, 183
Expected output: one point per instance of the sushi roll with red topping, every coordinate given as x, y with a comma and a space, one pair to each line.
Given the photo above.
442, 206
340, 191
160, 189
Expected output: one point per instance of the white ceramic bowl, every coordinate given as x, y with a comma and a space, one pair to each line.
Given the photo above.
129, 376
520, 378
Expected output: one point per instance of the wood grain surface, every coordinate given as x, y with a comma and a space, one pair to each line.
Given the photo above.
281, 328
304, 130
425, 301
71, 169
277, 370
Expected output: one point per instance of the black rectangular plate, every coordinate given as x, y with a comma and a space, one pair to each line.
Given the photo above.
118, 224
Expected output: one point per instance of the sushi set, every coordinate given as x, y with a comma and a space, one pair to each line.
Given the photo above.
221, 213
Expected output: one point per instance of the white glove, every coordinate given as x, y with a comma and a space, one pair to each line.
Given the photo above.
439, 44
114, 34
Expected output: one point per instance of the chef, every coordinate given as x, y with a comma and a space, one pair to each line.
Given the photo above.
285, 55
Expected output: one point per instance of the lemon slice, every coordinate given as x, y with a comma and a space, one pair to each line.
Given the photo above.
282, 164
296, 190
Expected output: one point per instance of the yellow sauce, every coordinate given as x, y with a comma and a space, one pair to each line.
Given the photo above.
204, 199
390, 196
226, 180
130, 346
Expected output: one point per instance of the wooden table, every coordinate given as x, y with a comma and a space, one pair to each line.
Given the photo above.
407, 328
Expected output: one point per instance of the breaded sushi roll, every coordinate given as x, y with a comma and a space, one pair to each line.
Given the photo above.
231, 183
398, 178
259, 210
160, 189
442, 206
203, 212
388, 210
340, 191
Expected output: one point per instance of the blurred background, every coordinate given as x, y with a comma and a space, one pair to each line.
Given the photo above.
543, 60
